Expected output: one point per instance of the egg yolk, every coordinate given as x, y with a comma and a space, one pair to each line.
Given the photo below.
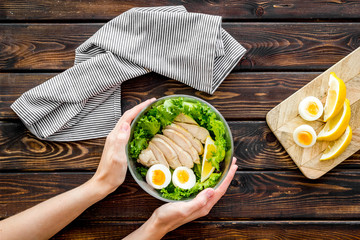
312, 108
183, 176
305, 138
158, 177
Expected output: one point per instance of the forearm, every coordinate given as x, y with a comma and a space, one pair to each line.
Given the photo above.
47, 218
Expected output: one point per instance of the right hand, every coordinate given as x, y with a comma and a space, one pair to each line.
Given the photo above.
172, 215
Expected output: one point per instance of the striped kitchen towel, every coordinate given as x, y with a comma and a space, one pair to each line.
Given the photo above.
83, 102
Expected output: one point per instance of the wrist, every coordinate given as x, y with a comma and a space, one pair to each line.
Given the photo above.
152, 229
155, 228
97, 189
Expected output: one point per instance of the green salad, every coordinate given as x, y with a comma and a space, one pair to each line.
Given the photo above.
162, 114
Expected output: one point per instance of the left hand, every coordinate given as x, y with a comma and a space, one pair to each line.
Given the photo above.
111, 171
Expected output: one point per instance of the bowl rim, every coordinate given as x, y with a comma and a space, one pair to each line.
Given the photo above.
143, 111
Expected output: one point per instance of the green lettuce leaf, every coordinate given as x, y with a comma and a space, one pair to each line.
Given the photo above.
142, 170
139, 142
150, 125
162, 115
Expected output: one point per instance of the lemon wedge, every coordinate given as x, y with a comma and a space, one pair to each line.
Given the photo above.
335, 97
336, 126
207, 168
338, 147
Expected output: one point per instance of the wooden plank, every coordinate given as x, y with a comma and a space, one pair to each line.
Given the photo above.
284, 118
252, 195
221, 230
20, 150
280, 46
91, 10
255, 147
240, 96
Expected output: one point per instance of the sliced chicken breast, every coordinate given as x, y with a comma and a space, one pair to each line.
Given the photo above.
182, 142
147, 158
185, 119
194, 142
169, 153
158, 154
184, 157
197, 131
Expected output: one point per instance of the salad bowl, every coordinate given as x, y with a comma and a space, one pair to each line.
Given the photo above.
133, 165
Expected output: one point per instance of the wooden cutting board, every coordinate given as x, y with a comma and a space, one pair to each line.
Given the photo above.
284, 118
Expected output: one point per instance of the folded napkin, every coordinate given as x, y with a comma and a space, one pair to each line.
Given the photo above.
84, 102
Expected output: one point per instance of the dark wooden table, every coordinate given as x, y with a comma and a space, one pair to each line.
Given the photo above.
289, 43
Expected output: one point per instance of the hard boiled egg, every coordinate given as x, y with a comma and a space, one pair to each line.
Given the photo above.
304, 136
184, 178
310, 108
158, 176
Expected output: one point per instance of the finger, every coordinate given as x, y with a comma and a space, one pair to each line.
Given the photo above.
122, 136
233, 161
225, 184
213, 196
200, 201
221, 190
130, 114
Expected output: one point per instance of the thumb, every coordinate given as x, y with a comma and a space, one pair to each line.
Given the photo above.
201, 200
123, 134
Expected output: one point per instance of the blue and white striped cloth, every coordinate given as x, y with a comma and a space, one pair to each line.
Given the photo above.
84, 102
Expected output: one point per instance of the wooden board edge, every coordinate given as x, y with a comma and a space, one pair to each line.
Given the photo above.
313, 173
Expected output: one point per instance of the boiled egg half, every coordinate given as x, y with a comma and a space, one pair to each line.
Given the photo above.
304, 136
158, 176
184, 178
310, 108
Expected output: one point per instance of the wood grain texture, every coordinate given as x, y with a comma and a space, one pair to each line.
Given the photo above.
268, 199
251, 196
272, 230
271, 46
22, 151
284, 118
243, 9
255, 147
240, 96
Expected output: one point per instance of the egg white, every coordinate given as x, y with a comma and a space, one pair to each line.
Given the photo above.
305, 128
187, 185
150, 173
303, 108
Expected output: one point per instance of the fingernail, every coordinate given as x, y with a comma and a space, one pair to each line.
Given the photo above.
125, 127
210, 192
153, 99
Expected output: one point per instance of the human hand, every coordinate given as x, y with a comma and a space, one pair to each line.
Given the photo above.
172, 215
111, 171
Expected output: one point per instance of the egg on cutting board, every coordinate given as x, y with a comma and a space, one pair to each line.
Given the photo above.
158, 176
304, 136
184, 178
311, 108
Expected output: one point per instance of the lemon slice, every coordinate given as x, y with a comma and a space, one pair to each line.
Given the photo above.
338, 147
207, 168
335, 97
336, 126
